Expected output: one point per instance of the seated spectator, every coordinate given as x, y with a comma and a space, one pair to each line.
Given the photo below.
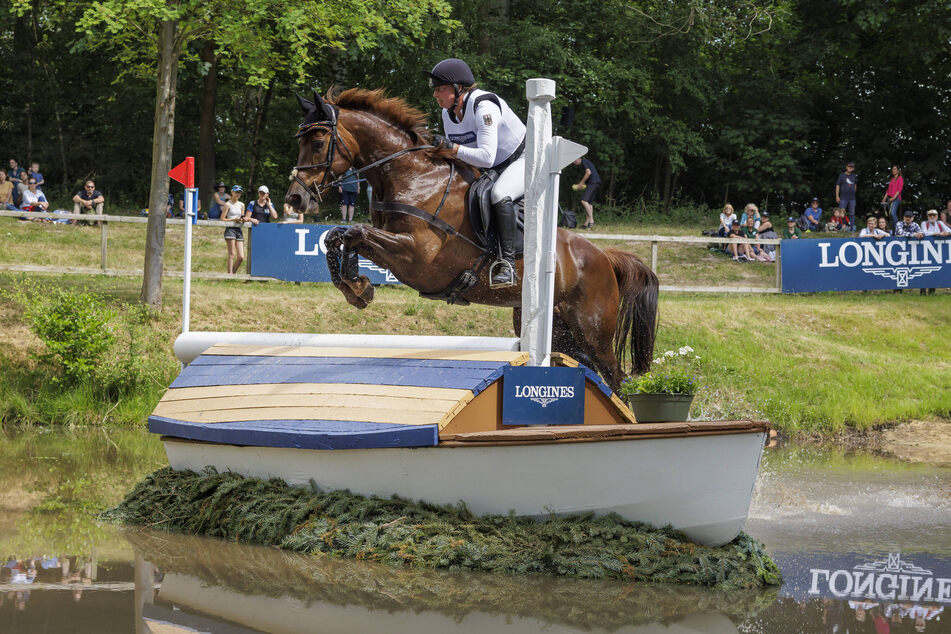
766, 231
908, 228
218, 200
291, 217
839, 221
6, 192
934, 227
33, 200
883, 225
946, 213
17, 177
261, 210
727, 218
740, 252
181, 206
35, 174
750, 210
792, 230
88, 201
811, 219
871, 229
755, 251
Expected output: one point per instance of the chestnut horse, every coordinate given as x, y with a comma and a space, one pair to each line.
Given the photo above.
605, 299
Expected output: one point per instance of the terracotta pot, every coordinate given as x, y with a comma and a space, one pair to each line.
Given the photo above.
660, 408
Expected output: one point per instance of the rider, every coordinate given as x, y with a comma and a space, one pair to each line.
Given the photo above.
482, 130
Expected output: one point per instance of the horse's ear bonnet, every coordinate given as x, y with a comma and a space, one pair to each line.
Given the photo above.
316, 111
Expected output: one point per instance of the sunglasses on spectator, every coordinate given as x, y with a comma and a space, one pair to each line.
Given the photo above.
32, 183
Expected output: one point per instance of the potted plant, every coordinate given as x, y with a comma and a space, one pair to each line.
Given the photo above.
666, 392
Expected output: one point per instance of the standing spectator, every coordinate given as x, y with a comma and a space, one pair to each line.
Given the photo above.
845, 187
348, 190
811, 219
88, 201
750, 210
792, 230
261, 210
233, 211
6, 192
908, 228
590, 183
35, 174
883, 225
33, 200
871, 229
17, 177
893, 193
218, 200
727, 218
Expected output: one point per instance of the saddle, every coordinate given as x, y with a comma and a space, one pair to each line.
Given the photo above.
479, 208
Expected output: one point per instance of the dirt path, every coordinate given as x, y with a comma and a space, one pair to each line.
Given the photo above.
919, 441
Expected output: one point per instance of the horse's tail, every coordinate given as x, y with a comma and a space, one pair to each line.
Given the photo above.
637, 309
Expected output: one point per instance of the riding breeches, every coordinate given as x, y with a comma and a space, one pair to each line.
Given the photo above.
511, 182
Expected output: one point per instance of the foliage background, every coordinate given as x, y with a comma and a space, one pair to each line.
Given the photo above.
743, 101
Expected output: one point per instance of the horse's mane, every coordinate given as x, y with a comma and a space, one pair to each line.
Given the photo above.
391, 109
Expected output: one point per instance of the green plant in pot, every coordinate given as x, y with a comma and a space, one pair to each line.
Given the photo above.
665, 393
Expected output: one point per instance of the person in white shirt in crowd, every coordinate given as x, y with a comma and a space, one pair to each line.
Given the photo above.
33, 200
871, 229
934, 227
233, 211
727, 216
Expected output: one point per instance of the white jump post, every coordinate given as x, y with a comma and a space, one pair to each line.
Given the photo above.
184, 173
545, 157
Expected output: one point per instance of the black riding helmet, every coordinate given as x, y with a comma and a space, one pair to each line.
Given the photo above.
450, 72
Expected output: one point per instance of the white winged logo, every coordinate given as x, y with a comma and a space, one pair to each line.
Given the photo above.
902, 275
367, 264
544, 400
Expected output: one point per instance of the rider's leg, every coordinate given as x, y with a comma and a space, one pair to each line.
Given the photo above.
509, 186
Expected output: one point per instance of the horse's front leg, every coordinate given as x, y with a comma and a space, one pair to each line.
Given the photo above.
389, 250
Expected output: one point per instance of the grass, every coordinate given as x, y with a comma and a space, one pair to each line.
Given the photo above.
818, 363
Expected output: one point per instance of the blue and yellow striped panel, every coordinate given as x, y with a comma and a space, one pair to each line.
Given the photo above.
324, 398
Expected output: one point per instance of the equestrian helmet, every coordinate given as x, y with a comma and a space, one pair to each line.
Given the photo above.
450, 71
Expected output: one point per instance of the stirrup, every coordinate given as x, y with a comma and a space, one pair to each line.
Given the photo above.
505, 264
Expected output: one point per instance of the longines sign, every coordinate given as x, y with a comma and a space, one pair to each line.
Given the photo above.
542, 396
852, 264
296, 253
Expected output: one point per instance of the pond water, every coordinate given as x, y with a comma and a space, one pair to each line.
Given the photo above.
863, 542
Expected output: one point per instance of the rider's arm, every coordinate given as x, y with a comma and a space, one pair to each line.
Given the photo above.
487, 137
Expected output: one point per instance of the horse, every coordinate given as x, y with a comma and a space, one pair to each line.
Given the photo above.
605, 300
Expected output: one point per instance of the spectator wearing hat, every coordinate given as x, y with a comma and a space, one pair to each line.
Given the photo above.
792, 230
218, 200
845, 187
767, 232
908, 228
261, 210
811, 219
871, 229
233, 211
934, 227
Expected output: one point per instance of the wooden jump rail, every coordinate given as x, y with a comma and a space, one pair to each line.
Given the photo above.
654, 241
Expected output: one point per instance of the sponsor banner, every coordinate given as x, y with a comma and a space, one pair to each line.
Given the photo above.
542, 396
296, 253
857, 264
913, 578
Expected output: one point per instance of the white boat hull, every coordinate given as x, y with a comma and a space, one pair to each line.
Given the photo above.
701, 485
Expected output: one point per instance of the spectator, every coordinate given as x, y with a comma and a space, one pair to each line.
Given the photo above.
883, 225
908, 228
35, 174
170, 205
811, 219
893, 193
88, 201
218, 200
946, 213
291, 217
181, 206
17, 177
33, 200
6, 192
792, 230
838, 222
348, 190
233, 211
261, 210
590, 183
750, 210
754, 251
766, 231
871, 229
845, 188
740, 251
934, 227
727, 218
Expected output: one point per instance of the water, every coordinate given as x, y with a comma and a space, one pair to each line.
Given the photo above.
832, 520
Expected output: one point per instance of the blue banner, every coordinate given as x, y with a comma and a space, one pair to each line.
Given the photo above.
542, 396
296, 253
859, 264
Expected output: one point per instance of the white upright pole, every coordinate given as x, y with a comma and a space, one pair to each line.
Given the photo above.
536, 291
191, 196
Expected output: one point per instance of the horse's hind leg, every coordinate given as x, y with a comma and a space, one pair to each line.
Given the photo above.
591, 324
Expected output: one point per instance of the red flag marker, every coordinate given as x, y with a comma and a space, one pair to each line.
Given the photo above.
184, 172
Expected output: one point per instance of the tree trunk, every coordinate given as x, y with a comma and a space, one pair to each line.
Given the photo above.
206, 125
668, 177
491, 14
259, 122
54, 102
163, 134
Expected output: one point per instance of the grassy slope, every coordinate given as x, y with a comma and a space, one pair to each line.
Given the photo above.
808, 363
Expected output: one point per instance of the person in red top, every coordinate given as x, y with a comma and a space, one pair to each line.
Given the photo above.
893, 193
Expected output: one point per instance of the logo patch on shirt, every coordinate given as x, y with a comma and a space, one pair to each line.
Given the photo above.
487, 119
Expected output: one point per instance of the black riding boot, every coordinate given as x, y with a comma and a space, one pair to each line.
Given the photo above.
503, 214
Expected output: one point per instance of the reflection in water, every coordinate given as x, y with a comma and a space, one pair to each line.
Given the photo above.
274, 591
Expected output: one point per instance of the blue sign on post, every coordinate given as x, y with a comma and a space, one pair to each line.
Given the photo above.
542, 396
854, 264
297, 253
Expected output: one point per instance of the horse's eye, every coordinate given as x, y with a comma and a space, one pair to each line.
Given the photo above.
317, 144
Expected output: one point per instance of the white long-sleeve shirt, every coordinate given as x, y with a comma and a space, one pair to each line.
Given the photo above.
487, 134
